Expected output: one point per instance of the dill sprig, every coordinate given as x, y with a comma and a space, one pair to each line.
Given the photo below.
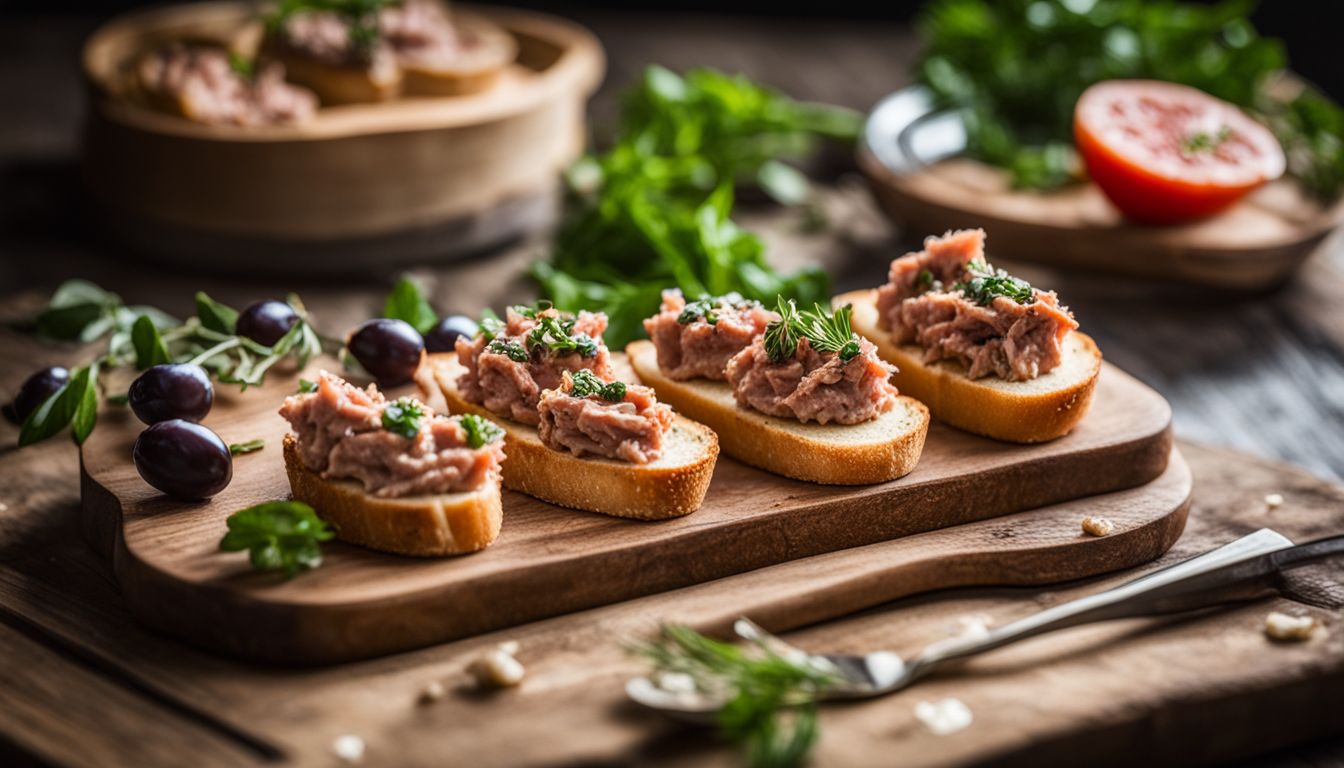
584, 383
982, 284
824, 331
769, 707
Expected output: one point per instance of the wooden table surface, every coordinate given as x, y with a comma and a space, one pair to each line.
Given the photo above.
1261, 374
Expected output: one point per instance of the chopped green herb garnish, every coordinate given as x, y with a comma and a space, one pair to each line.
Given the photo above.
246, 447
306, 386
824, 331
480, 430
708, 307
586, 383
402, 416
278, 535
925, 279
242, 66
511, 349
359, 16
490, 325
983, 284
558, 335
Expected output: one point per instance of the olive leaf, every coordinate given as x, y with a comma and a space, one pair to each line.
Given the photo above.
149, 347
215, 316
407, 303
75, 404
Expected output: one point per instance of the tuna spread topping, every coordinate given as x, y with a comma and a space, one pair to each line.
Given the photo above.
509, 363
587, 416
417, 31
811, 366
203, 83
696, 340
395, 448
950, 301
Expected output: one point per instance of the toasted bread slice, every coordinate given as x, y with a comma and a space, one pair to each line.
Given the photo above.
1034, 411
673, 485
875, 451
424, 526
336, 84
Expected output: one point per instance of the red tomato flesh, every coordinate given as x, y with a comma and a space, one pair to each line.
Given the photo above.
1166, 153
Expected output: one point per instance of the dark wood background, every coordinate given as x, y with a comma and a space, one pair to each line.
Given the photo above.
1260, 373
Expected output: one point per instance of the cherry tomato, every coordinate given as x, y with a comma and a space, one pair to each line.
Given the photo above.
1166, 153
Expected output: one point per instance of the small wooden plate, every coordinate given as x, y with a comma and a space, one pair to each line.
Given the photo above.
909, 152
417, 178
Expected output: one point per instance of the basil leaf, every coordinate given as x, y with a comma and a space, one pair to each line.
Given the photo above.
214, 315
786, 184
278, 535
405, 302
250, 446
149, 347
57, 411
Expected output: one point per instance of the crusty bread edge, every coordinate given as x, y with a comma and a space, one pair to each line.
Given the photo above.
334, 84
969, 405
422, 526
750, 438
610, 487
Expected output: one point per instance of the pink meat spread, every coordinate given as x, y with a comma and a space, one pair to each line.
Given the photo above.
940, 299
417, 30
813, 386
630, 429
697, 340
204, 82
512, 387
341, 436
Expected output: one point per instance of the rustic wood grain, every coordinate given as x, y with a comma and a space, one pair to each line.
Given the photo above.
549, 560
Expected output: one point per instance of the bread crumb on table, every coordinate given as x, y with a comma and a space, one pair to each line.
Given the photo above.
497, 668
349, 748
1281, 626
1098, 526
432, 693
944, 716
1274, 500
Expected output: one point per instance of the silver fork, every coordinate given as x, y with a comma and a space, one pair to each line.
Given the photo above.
1245, 569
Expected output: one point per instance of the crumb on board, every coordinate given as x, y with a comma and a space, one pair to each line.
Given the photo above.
497, 668
1281, 626
973, 626
1098, 526
348, 748
1274, 500
432, 693
944, 716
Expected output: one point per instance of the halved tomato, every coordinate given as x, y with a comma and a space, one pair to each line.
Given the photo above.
1166, 153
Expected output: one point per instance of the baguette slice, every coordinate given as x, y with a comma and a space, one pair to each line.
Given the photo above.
336, 84
491, 50
673, 485
1044, 408
424, 526
875, 451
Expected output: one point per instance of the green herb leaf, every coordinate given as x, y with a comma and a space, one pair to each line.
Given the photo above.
278, 535
708, 307
510, 349
74, 404
402, 416
586, 383
306, 386
242, 66
490, 325
149, 347
249, 446
78, 311
407, 303
480, 430
982, 285
824, 331
557, 335
214, 316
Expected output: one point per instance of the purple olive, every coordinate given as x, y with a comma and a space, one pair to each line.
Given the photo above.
171, 392
444, 335
37, 388
390, 350
266, 322
183, 459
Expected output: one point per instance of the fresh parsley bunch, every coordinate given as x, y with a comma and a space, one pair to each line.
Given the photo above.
143, 336
654, 211
1015, 69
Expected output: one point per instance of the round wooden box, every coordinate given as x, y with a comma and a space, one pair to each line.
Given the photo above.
357, 187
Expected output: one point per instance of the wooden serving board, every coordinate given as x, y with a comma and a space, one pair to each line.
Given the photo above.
1257, 243
549, 561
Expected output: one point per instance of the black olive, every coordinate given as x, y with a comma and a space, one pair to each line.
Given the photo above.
266, 322
171, 392
444, 335
183, 459
390, 350
37, 388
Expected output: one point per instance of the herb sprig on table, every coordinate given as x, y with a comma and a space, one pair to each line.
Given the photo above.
654, 210
143, 336
769, 699
1015, 68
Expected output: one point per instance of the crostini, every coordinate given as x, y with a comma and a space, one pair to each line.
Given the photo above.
206, 83
575, 435
795, 393
390, 475
986, 351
